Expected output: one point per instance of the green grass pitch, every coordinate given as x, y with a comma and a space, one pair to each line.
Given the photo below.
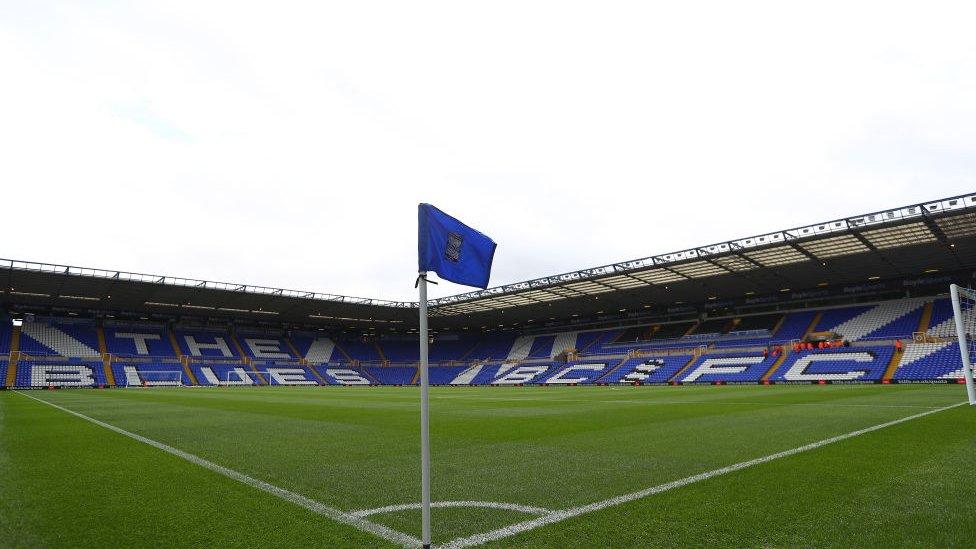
528, 452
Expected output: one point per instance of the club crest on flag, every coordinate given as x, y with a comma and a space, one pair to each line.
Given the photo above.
453, 251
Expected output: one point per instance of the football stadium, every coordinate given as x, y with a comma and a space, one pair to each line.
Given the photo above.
396, 274
802, 387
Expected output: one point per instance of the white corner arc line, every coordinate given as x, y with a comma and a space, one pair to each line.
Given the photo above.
527, 509
557, 516
360, 523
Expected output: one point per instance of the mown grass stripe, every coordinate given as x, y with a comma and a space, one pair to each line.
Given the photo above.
287, 495
561, 515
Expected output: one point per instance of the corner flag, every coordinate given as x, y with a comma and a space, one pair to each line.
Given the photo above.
453, 250
460, 254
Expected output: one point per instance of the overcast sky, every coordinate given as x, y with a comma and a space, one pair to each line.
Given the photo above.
289, 144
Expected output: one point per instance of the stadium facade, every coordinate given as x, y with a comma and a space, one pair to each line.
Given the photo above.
854, 300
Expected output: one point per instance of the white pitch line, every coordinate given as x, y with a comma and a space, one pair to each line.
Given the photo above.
557, 516
389, 534
668, 402
527, 509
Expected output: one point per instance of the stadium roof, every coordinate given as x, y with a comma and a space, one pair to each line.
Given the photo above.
937, 236
901, 242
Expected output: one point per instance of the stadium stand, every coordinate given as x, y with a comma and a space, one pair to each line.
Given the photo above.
344, 375
137, 340
492, 347
930, 362
362, 350
727, 368
6, 330
70, 372
887, 320
647, 370
444, 375
206, 343
576, 372
392, 375
861, 363
135, 374
447, 348
265, 348
63, 352
831, 319
59, 338
316, 349
794, 326
542, 347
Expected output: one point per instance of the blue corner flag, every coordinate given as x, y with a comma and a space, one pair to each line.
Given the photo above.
453, 250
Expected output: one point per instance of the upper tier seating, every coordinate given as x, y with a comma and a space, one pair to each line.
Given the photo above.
758, 322
589, 342
943, 323
358, 349
670, 331
832, 318
714, 326
6, 332
316, 349
794, 326
68, 340
886, 320
265, 346
492, 347
542, 346
138, 340
403, 351
448, 348
204, 343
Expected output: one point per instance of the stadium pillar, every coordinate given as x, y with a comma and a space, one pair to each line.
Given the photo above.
424, 402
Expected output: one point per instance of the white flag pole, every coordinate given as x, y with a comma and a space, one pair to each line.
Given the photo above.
424, 435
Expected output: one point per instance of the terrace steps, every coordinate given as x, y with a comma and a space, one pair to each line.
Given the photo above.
813, 323
106, 361
175, 344
469, 351
681, 372
893, 363
294, 350
318, 377
923, 323
779, 362
612, 370
379, 351
189, 373
14, 349
249, 363
343, 351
